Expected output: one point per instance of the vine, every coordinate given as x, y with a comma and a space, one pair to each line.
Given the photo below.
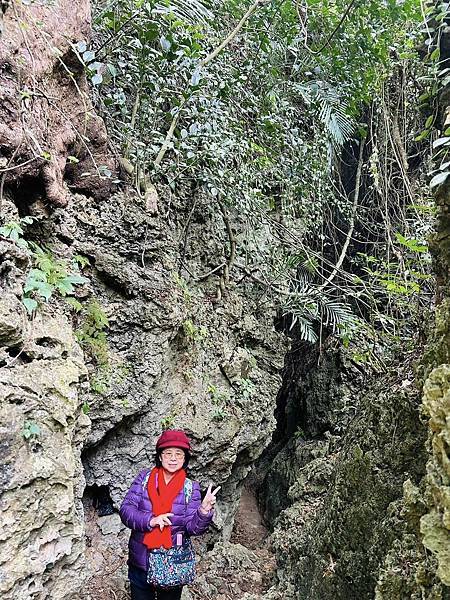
263, 134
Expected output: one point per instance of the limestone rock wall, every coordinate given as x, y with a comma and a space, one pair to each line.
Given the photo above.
175, 356
339, 480
435, 524
172, 353
42, 431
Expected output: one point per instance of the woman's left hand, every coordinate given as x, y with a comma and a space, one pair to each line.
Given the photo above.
209, 500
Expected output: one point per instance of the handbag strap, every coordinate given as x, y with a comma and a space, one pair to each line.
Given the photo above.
187, 490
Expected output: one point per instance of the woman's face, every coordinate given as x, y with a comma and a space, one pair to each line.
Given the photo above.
172, 459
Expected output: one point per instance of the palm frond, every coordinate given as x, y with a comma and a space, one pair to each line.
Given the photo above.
303, 312
335, 314
193, 11
337, 123
307, 306
305, 326
332, 110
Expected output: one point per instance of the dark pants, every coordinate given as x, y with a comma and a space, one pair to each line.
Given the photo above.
138, 593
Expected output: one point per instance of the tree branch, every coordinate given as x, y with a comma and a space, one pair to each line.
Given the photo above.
202, 64
338, 265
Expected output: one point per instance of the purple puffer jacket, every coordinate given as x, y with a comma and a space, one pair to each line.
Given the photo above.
136, 512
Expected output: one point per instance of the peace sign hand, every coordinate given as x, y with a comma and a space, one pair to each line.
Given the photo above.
209, 500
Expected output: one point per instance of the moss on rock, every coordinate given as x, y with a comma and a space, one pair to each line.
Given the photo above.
435, 524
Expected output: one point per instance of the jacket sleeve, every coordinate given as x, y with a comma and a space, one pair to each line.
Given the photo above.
133, 517
196, 523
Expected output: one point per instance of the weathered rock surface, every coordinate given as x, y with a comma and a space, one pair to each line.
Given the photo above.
342, 490
42, 430
175, 357
46, 114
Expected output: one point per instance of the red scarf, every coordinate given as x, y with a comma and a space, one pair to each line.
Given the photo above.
162, 497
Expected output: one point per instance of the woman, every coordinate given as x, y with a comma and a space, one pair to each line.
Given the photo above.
163, 508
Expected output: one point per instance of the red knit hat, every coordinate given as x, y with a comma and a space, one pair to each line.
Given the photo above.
175, 438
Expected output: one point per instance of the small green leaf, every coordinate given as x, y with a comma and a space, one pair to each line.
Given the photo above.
30, 304
75, 304
37, 275
77, 279
83, 261
422, 135
429, 122
88, 55
112, 69
95, 66
44, 289
73, 159
22, 243
30, 429
97, 79
34, 429
65, 286
165, 44
435, 55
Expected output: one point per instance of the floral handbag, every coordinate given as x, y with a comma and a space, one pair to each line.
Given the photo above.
175, 566
171, 567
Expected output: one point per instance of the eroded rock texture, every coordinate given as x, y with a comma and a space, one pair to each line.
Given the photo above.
46, 115
344, 487
175, 356
41, 434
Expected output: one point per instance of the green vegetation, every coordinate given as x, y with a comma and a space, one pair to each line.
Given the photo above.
92, 335
296, 147
13, 230
193, 333
437, 78
31, 430
219, 398
180, 282
50, 275
168, 421
246, 389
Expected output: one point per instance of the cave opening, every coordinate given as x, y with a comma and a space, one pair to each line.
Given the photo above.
100, 499
25, 191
